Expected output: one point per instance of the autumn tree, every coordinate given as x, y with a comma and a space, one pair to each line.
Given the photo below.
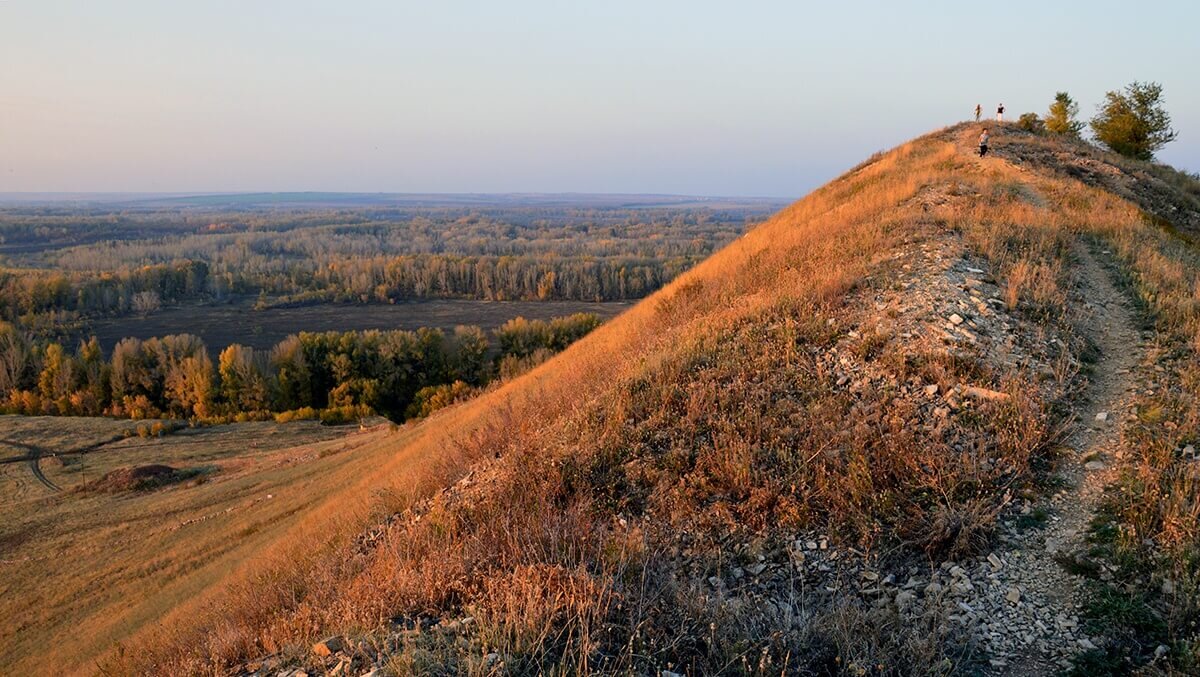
91, 389
56, 378
1062, 116
146, 302
243, 384
190, 385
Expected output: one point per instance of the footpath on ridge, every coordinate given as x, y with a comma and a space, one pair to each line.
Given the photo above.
1030, 602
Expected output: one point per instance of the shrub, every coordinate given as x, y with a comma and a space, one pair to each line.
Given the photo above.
512, 366
301, 414
138, 407
432, 398
1030, 122
343, 415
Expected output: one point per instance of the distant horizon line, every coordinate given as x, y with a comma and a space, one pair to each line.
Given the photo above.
212, 193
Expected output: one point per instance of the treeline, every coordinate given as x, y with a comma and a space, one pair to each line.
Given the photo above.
30, 292
334, 375
38, 300
492, 278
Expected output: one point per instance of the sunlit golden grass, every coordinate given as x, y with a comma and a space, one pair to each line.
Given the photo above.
703, 410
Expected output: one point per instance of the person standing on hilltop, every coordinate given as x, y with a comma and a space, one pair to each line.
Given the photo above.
983, 142
978, 111
1000, 113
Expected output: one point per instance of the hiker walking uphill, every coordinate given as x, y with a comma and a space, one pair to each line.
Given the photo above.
1000, 113
983, 143
978, 111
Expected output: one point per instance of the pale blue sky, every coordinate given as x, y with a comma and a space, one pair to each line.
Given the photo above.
696, 97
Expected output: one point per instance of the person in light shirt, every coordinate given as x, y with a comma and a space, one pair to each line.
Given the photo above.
983, 142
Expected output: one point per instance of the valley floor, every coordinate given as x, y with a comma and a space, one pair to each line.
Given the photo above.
82, 570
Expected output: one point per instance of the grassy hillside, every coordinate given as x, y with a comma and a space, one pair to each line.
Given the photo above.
868, 388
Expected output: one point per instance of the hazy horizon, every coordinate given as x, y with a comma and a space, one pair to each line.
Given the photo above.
699, 99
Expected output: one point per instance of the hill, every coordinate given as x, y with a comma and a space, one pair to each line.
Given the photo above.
937, 417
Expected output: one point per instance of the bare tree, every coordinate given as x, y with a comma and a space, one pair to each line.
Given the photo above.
14, 356
146, 302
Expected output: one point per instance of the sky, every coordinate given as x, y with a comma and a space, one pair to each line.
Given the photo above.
650, 96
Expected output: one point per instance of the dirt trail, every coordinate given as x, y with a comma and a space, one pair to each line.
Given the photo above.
1037, 628
34, 459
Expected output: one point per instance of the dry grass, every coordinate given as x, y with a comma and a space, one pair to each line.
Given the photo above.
611, 479
82, 571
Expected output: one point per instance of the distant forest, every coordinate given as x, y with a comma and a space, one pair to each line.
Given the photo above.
61, 264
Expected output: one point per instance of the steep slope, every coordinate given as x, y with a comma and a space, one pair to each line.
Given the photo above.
814, 452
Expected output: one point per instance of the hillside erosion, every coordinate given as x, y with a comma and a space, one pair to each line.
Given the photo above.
814, 451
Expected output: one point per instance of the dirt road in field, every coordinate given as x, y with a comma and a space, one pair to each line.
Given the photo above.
34, 454
33, 458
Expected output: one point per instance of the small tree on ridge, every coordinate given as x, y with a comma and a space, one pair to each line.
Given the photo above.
1133, 122
1062, 116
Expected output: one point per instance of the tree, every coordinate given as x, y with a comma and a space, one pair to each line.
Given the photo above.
1133, 122
243, 385
146, 302
1062, 116
468, 355
57, 377
189, 385
135, 371
14, 356
292, 375
92, 379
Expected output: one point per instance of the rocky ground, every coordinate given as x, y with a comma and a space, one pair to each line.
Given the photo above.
1030, 601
